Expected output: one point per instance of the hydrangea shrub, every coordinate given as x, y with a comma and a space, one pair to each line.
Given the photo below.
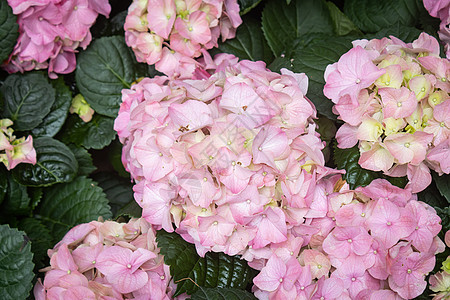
224, 154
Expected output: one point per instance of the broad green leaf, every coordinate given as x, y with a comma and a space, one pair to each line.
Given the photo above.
3, 183
247, 5
9, 30
103, 70
372, 16
432, 196
397, 181
53, 122
27, 99
355, 176
17, 201
279, 63
341, 23
16, 264
69, 204
221, 294
213, 270
249, 43
41, 239
444, 214
283, 23
85, 164
35, 195
95, 134
405, 33
443, 185
115, 158
119, 192
55, 164
326, 128
313, 60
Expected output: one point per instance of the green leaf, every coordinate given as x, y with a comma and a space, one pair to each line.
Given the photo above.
432, 196
283, 23
115, 158
280, 62
341, 23
53, 122
119, 192
41, 239
9, 30
313, 60
85, 164
405, 33
35, 195
16, 265
3, 183
27, 99
103, 70
355, 176
249, 43
95, 134
17, 200
55, 164
443, 185
69, 204
213, 270
372, 16
444, 214
247, 5
221, 294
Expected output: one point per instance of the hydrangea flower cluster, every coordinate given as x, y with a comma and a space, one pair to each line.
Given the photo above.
106, 260
14, 151
171, 33
441, 9
440, 282
51, 31
233, 160
394, 100
376, 242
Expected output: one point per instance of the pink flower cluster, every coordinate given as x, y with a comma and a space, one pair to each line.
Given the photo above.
376, 242
171, 33
14, 151
440, 282
233, 160
394, 100
441, 9
106, 260
50, 33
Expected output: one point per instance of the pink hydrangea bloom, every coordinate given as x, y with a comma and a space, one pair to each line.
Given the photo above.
106, 259
50, 33
398, 111
170, 34
211, 156
382, 244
